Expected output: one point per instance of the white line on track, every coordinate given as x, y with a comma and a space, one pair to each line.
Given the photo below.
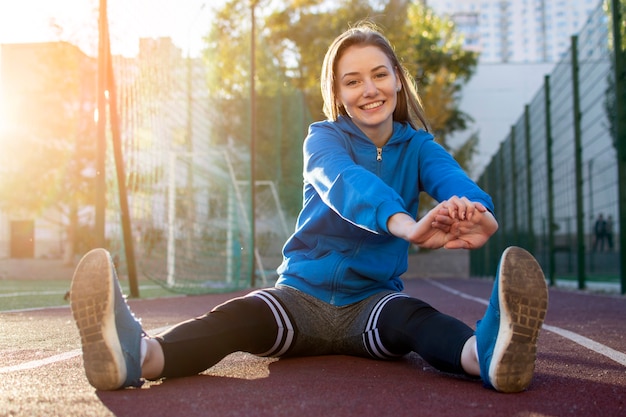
41, 362
56, 358
31, 293
592, 345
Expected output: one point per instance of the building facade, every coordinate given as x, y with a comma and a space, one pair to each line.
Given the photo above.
517, 31
519, 42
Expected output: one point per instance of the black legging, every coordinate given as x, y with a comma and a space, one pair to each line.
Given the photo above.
247, 324
411, 325
242, 324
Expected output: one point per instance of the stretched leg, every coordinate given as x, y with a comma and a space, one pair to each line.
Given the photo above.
507, 334
408, 324
504, 347
117, 352
110, 334
256, 323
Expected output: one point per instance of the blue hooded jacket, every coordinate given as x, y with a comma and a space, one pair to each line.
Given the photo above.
341, 251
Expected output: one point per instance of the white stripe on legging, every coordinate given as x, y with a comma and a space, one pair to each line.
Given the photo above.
285, 328
371, 337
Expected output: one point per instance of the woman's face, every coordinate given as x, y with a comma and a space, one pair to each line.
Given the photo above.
367, 86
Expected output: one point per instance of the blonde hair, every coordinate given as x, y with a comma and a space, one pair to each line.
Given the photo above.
409, 107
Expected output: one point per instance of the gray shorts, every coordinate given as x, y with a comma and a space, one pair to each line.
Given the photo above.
320, 328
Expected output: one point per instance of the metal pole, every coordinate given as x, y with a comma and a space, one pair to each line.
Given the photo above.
620, 130
171, 219
592, 261
578, 150
190, 196
116, 136
514, 186
100, 185
496, 250
505, 203
550, 169
529, 182
253, 5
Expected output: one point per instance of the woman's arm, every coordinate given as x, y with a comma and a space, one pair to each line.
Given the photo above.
355, 193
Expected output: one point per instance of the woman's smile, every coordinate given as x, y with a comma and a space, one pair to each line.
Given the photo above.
373, 105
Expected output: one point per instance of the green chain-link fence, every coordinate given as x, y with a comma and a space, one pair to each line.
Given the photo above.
557, 171
187, 182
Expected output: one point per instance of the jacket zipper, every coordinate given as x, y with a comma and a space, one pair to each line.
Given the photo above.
379, 154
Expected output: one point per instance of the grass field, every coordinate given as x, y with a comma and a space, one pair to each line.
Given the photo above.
26, 294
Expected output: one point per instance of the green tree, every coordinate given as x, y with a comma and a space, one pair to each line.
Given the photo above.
611, 91
282, 117
295, 34
433, 53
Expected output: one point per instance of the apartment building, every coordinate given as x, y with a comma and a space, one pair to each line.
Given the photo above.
519, 42
517, 31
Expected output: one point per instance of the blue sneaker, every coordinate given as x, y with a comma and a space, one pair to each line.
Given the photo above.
506, 337
110, 334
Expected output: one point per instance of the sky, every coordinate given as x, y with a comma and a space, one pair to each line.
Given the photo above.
76, 21
28, 20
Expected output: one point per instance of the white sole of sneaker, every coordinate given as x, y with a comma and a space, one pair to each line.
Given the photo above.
92, 300
523, 296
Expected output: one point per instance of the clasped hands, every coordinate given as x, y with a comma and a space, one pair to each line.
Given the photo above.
456, 223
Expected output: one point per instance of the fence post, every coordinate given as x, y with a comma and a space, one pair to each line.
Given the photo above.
482, 266
504, 202
494, 244
580, 226
100, 182
251, 256
116, 138
479, 259
515, 230
620, 130
529, 183
550, 169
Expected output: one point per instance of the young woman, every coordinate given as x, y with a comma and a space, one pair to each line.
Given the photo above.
339, 289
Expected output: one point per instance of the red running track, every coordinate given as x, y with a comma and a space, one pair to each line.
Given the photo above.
581, 368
